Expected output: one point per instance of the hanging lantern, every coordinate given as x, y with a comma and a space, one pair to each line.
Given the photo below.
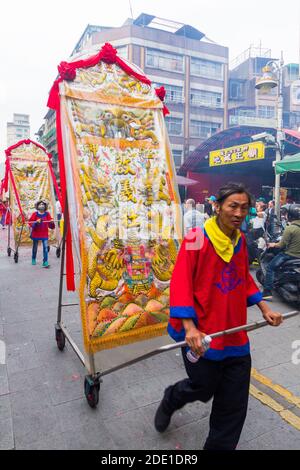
267, 82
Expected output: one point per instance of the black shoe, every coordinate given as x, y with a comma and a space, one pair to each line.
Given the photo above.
162, 417
267, 295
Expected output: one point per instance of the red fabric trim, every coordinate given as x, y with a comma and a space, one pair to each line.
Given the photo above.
21, 142
16, 192
166, 110
67, 70
5, 184
69, 251
55, 182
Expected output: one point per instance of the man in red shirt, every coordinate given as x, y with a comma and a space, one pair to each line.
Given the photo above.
210, 289
40, 221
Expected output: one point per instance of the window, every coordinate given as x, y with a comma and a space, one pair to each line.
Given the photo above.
267, 112
206, 69
174, 125
122, 52
177, 155
174, 94
203, 129
236, 90
164, 61
206, 98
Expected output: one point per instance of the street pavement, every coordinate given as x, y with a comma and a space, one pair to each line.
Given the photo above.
42, 404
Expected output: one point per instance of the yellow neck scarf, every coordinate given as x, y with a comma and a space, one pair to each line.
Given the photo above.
223, 246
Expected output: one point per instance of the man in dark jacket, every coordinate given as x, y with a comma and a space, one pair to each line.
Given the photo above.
290, 246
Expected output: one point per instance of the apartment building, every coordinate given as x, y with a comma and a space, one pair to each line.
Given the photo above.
192, 68
18, 130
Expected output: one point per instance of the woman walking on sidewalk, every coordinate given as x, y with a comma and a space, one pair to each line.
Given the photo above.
210, 289
40, 223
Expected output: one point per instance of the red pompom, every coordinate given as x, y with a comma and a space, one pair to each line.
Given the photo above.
161, 92
67, 71
108, 54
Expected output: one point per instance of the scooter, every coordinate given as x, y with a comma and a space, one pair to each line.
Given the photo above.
287, 277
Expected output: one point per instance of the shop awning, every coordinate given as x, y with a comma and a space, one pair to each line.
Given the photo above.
183, 181
290, 163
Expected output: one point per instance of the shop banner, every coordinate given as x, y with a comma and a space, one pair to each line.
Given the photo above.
238, 154
123, 203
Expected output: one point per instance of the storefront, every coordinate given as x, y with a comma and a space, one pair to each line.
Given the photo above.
231, 155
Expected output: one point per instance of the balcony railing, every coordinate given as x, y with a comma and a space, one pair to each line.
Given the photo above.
252, 121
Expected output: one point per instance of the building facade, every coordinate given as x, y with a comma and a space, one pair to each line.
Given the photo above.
193, 70
46, 136
18, 130
251, 107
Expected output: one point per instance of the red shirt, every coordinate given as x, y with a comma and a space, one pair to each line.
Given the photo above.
214, 294
39, 230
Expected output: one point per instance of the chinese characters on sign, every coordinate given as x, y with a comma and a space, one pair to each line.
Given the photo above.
240, 153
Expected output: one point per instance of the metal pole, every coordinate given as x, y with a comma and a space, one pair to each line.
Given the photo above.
279, 137
62, 263
171, 347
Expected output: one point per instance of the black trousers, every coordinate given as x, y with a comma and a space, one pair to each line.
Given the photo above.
227, 382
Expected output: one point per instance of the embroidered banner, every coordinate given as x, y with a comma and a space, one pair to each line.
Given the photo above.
123, 203
30, 180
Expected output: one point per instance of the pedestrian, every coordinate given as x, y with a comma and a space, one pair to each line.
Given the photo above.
289, 246
258, 222
58, 212
209, 207
271, 219
40, 222
209, 291
2, 214
192, 218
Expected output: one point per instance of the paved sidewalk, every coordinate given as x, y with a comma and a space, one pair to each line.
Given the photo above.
42, 405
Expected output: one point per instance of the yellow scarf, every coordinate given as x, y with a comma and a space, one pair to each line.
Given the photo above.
223, 246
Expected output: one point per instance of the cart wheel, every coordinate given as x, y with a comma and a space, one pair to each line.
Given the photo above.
48, 249
91, 391
60, 339
8, 251
16, 257
58, 252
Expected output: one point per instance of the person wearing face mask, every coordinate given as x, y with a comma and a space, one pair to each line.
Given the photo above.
40, 222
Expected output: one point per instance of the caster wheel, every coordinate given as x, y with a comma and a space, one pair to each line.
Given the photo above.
60, 339
91, 391
58, 252
8, 251
16, 257
48, 249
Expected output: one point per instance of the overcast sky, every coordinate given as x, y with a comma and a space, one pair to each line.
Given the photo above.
36, 35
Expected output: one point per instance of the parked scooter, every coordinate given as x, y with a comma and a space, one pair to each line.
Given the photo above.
287, 277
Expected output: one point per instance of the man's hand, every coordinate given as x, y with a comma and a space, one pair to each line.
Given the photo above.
194, 337
273, 318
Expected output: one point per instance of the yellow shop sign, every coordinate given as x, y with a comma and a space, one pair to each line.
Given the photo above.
237, 154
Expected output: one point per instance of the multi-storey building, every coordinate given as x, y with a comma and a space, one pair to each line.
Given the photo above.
251, 107
18, 130
291, 97
192, 68
47, 137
